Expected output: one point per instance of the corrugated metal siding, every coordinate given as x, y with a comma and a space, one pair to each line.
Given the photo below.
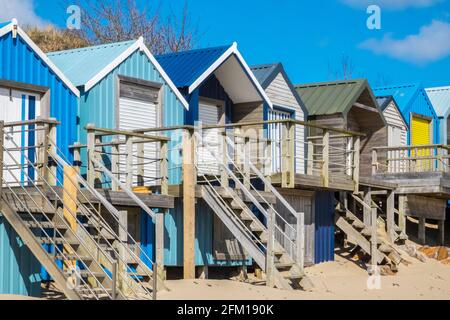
324, 239
98, 106
19, 269
19, 63
281, 95
173, 241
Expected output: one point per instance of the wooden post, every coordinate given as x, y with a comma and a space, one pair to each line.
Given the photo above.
189, 182
301, 239
164, 168
402, 213
129, 162
115, 159
269, 164
440, 164
288, 155
441, 230
2, 141
52, 147
374, 239
366, 211
422, 231
310, 164
140, 161
247, 155
159, 243
223, 173
90, 154
270, 259
375, 162
326, 159
390, 207
356, 161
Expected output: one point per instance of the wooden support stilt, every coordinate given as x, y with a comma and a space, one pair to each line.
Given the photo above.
189, 182
422, 231
204, 272
441, 230
402, 213
390, 207
159, 243
374, 239
270, 263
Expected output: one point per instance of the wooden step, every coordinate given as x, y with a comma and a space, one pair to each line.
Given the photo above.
283, 265
45, 225
72, 257
87, 274
291, 275
358, 225
96, 291
384, 248
59, 241
367, 232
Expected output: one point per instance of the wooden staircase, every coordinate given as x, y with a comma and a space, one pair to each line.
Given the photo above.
61, 226
380, 250
271, 245
254, 236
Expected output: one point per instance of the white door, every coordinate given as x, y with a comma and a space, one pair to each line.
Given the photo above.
136, 114
19, 106
209, 114
276, 135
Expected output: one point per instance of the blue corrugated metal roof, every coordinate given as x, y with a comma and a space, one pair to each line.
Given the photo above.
81, 65
187, 66
412, 98
403, 94
440, 98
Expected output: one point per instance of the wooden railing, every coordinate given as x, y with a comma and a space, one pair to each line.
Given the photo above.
329, 152
135, 159
411, 159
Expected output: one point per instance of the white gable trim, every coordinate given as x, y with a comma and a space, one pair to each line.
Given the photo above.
40, 53
232, 50
138, 45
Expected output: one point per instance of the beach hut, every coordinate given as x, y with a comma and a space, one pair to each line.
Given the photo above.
397, 127
287, 105
348, 105
440, 99
123, 87
417, 110
31, 86
221, 89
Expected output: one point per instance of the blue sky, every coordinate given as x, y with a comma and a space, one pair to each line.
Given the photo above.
311, 37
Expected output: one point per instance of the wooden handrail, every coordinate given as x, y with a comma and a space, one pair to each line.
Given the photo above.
399, 148
30, 122
254, 123
112, 132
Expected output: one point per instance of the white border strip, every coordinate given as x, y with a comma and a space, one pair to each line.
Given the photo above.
138, 45
232, 50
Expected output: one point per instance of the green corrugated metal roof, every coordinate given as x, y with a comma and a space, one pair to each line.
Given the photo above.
81, 65
327, 98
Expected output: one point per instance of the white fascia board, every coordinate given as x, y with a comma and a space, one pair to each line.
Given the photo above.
253, 78
232, 50
164, 75
110, 67
47, 61
6, 29
212, 68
